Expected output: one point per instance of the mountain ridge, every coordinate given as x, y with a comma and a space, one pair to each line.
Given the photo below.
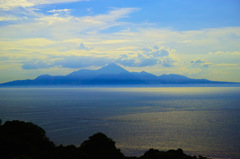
112, 74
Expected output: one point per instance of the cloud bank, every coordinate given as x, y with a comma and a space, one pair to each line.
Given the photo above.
149, 57
145, 57
200, 63
67, 62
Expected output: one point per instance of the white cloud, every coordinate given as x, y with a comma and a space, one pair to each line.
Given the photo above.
63, 26
105, 21
9, 18
54, 19
11, 4
60, 10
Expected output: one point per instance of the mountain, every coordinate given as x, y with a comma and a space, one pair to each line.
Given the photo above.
112, 74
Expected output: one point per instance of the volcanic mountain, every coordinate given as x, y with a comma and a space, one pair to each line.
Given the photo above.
112, 74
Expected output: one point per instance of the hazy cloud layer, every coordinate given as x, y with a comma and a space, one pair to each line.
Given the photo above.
142, 58
67, 62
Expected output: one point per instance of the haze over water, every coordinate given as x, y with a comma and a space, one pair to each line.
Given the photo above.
200, 120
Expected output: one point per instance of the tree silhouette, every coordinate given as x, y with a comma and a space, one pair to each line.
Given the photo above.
100, 146
25, 140
171, 154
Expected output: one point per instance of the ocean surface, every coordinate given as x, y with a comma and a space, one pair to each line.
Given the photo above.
200, 120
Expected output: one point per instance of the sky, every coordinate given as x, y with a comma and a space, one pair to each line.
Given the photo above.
195, 38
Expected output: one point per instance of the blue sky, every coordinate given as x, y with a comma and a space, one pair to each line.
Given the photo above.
175, 14
196, 38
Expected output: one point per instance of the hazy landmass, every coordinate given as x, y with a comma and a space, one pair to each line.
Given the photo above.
111, 74
25, 140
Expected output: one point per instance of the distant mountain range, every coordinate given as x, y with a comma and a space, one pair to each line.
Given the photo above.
111, 74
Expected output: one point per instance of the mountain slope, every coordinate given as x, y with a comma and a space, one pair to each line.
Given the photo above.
111, 74
174, 78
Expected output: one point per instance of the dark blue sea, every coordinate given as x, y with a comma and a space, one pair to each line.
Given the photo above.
200, 120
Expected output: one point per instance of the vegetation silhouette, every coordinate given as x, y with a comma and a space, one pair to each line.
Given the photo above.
25, 140
100, 146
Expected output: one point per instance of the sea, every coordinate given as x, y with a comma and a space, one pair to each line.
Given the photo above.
200, 120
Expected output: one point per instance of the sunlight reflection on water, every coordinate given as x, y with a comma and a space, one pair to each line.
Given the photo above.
199, 120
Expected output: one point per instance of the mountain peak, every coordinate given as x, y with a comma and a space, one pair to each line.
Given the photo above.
41, 77
112, 68
112, 65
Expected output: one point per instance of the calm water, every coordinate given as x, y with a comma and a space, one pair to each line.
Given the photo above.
199, 120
